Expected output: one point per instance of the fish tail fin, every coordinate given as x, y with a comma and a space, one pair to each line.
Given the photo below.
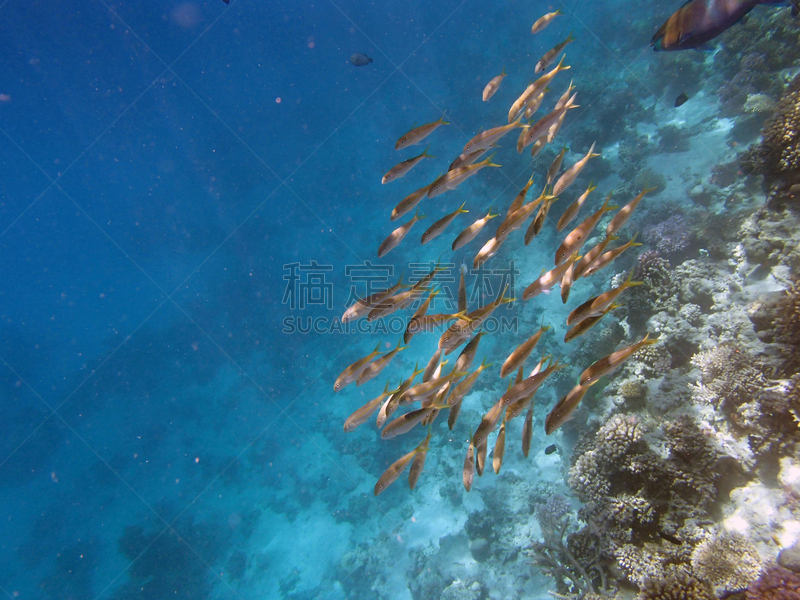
648, 341
648, 190
461, 208
489, 215
503, 74
633, 241
558, 12
484, 364
425, 152
570, 37
629, 282
417, 370
399, 347
444, 115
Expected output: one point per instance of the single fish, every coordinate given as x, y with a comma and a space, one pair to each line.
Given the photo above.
471, 232
572, 209
550, 449
556, 127
607, 258
596, 305
487, 251
698, 22
396, 468
681, 99
538, 221
591, 256
625, 212
562, 411
397, 171
469, 467
409, 203
488, 137
469, 158
585, 325
353, 372
358, 59
534, 103
433, 364
612, 362
418, 464
519, 199
428, 323
527, 387
464, 361
517, 219
547, 280
492, 87
362, 306
455, 410
452, 179
416, 135
544, 21
427, 388
538, 145
566, 282
523, 137
407, 422
439, 226
464, 387
576, 238
522, 352
570, 174
394, 238
499, 448
374, 368
550, 55
421, 311
480, 458
487, 425
555, 166
365, 412
541, 126
392, 403
527, 433
462, 289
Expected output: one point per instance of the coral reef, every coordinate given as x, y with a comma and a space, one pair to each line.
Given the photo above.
776, 583
671, 236
778, 156
575, 558
728, 562
677, 586
673, 139
729, 376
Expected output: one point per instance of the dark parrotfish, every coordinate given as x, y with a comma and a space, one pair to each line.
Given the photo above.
700, 21
681, 100
359, 59
550, 449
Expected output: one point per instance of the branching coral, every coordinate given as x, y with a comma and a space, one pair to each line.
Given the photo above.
574, 561
728, 561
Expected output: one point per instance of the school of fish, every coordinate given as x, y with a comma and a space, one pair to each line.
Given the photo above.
446, 389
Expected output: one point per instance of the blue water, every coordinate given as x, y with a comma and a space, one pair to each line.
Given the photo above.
185, 182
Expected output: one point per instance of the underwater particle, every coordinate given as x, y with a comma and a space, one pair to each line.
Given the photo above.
681, 100
550, 449
359, 59
727, 561
776, 583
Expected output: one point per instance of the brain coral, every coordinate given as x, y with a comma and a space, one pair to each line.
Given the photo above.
728, 561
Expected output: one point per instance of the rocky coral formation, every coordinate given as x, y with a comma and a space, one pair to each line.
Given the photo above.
787, 326
729, 376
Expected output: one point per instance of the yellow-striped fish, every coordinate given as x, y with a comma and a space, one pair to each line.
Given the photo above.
416, 135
